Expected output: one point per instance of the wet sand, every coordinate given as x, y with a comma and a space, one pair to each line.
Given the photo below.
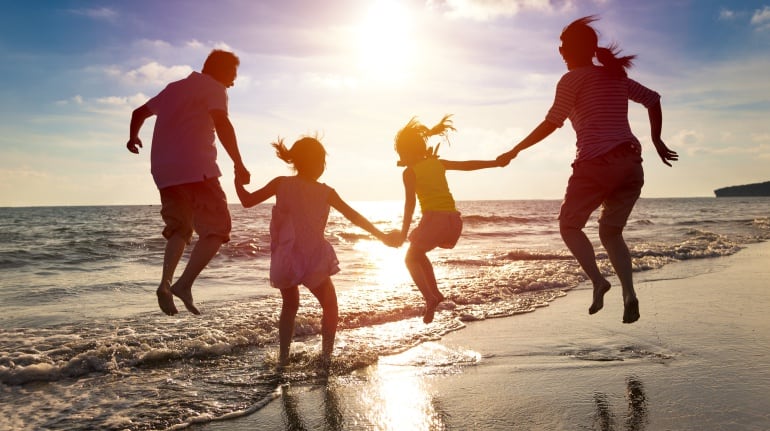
698, 359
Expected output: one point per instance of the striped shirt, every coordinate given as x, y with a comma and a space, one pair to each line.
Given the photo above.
596, 104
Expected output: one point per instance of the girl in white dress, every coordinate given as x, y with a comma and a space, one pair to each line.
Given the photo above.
299, 252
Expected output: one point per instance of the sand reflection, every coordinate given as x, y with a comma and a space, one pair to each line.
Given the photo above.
636, 415
399, 400
392, 399
293, 420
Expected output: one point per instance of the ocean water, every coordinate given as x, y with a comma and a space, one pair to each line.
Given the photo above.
83, 344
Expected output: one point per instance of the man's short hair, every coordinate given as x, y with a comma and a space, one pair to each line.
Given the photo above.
220, 61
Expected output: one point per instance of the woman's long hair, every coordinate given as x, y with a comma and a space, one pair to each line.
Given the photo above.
580, 40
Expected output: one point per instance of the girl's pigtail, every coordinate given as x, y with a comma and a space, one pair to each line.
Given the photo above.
282, 152
441, 129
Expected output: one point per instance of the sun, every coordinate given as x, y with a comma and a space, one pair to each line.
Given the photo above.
385, 38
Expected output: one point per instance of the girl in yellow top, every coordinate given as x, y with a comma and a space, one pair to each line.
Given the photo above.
440, 225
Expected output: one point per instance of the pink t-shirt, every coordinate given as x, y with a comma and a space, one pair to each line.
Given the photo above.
596, 104
183, 142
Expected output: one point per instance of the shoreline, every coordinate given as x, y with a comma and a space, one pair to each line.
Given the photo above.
697, 359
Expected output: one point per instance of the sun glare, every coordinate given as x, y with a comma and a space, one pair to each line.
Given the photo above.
388, 268
385, 41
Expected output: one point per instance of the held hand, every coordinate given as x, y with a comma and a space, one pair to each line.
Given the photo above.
242, 176
666, 155
393, 239
134, 144
505, 158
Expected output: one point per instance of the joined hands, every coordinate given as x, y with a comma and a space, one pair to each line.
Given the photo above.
393, 239
505, 158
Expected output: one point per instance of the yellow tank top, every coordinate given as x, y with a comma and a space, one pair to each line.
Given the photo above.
431, 186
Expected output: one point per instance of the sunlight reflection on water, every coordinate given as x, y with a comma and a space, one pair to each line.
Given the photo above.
399, 396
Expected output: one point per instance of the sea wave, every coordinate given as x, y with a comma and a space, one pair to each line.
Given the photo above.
475, 219
535, 255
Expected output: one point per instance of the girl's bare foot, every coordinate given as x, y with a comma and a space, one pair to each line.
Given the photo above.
599, 291
282, 364
165, 299
430, 309
186, 296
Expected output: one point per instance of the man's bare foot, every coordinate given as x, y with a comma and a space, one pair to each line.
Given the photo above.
631, 310
165, 299
599, 291
186, 296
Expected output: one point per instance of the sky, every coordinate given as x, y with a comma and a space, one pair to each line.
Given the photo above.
355, 71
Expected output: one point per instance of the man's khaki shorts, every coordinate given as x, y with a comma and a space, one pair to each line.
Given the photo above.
201, 207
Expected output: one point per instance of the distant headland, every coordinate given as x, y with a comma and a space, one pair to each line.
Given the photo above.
756, 189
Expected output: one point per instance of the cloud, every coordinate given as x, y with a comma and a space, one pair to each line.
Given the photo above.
687, 141
112, 101
152, 73
484, 10
115, 103
102, 14
9, 176
726, 15
761, 18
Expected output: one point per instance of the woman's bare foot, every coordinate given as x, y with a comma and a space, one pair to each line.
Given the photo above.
165, 299
599, 291
186, 296
630, 310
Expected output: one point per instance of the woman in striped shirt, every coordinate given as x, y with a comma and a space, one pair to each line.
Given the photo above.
607, 170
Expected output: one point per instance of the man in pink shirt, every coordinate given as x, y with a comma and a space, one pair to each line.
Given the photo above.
183, 164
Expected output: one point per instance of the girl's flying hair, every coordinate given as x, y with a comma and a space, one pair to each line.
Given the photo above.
306, 153
579, 40
412, 139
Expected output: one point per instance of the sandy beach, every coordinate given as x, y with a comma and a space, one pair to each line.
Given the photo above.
698, 359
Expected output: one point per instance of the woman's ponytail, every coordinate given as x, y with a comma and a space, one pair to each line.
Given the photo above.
609, 57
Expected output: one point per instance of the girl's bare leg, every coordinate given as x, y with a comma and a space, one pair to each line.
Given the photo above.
289, 309
421, 270
327, 297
